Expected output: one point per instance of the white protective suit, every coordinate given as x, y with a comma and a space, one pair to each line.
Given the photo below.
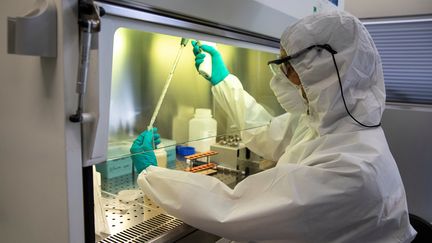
335, 181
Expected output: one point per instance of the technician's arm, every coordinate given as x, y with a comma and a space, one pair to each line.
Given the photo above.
261, 132
261, 136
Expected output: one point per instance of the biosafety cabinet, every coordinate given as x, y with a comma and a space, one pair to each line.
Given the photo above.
89, 77
136, 51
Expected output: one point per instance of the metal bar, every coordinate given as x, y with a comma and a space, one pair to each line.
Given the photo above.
148, 14
395, 21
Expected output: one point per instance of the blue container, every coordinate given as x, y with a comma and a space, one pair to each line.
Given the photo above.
185, 150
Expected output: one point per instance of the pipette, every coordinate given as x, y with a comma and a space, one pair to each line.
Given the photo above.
183, 43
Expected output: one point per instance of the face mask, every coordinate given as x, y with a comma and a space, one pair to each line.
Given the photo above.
288, 94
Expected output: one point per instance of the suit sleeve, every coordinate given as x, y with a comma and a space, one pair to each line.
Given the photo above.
262, 133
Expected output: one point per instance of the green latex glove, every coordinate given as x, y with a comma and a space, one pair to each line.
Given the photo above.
142, 149
219, 70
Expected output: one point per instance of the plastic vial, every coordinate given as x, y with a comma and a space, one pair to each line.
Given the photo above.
205, 68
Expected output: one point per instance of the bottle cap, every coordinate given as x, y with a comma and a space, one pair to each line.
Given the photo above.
201, 112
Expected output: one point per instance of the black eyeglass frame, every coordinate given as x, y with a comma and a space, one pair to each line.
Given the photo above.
301, 52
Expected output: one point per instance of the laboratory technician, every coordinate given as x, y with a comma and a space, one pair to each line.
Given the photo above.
335, 178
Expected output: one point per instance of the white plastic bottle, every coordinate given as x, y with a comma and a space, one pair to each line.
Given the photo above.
202, 130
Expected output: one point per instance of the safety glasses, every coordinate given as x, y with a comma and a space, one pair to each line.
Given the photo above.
276, 67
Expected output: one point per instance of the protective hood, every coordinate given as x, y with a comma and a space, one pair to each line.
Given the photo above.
359, 66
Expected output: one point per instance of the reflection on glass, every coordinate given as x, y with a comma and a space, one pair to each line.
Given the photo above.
141, 64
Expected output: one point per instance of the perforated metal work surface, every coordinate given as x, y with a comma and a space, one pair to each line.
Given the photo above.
122, 215
150, 230
141, 220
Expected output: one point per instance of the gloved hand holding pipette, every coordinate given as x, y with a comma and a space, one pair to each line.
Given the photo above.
142, 149
218, 69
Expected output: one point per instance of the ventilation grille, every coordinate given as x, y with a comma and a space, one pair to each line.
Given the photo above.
146, 231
